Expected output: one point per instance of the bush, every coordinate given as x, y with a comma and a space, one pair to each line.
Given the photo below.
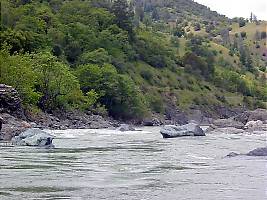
241, 22
156, 103
154, 50
263, 34
17, 71
129, 103
197, 27
58, 86
243, 34
99, 56
147, 75
116, 92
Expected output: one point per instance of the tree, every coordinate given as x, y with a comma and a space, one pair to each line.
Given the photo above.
263, 34
179, 31
17, 70
123, 16
99, 56
117, 92
225, 36
139, 11
241, 22
155, 14
55, 82
197, 65
197, 27
243, 34
251, 17
257, 36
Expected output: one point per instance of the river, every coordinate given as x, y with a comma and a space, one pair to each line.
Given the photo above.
106, 164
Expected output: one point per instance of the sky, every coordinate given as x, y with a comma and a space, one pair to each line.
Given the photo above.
238, 8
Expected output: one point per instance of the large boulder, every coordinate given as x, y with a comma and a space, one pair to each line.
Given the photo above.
222, 123
256, 152
256, 126
190, 129
258, 114
151, 122
33, 137
12, 126
176, 116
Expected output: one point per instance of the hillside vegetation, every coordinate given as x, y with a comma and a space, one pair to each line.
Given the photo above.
130, 59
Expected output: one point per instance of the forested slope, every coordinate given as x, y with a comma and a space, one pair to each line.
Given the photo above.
129, 59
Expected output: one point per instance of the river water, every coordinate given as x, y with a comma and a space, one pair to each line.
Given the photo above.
106, 164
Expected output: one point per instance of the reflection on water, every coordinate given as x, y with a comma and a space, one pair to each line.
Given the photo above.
105, 164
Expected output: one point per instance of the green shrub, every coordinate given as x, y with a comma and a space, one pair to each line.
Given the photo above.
58, 86
147, 75
17, 71
243, 34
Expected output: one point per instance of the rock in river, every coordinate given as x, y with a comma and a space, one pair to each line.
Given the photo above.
33, 137
256, 126
256, 152
126, 127
190, 129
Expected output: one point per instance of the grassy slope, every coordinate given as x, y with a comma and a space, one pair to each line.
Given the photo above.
185, 90
250, 30
188, 90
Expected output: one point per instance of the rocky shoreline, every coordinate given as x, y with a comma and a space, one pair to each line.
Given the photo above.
14, 119
12, 125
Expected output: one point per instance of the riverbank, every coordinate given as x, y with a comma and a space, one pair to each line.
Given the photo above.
12, 125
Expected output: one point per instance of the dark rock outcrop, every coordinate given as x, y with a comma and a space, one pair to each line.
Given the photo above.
73, 120
258, 114
152, 122
12, 126
33, 137
10, 101
176, 116
190, 129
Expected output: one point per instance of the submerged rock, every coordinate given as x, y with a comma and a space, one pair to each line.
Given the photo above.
256, 152
126, 127
232, 154
33, 137
190, 129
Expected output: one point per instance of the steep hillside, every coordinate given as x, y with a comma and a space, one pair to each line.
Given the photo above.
169, 10
130, 60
